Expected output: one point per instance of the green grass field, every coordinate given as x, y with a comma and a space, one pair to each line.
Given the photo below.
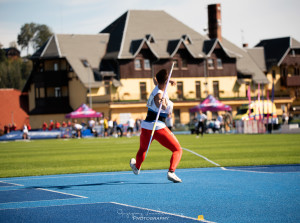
44, 157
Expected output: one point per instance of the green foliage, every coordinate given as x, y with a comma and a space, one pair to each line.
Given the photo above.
44, 157
35, 34
26, 35
42, 34
14, 72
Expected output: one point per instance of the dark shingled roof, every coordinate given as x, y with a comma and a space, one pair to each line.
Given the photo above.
276, 49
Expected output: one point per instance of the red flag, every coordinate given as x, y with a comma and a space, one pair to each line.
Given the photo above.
249, 98
258, 98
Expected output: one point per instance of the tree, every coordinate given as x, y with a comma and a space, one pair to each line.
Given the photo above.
26, 35
34, 34
14, 72
42, 34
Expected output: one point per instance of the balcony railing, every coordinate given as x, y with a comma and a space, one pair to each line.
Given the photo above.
51, 102
51, 78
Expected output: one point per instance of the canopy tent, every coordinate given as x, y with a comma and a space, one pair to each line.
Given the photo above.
84, 111
210, 104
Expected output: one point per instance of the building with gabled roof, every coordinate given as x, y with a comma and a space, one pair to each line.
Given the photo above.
114, 69
282, 61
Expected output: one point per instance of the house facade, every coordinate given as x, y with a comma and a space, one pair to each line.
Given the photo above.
282, 56
113, 71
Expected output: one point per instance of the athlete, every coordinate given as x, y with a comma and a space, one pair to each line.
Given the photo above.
162, 133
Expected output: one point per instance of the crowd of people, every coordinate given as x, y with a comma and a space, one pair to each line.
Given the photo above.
220, 124
104, 127
12, 127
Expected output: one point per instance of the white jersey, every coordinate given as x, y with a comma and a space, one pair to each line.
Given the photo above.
152, 107
25, 129
131, 123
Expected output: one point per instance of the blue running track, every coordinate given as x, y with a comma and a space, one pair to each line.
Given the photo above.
231, 194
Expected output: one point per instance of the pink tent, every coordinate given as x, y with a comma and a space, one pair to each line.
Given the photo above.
84, 111
211, 104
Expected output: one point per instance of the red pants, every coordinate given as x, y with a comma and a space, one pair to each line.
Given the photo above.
166, 138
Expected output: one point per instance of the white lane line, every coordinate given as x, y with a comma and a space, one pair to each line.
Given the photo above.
212, 162
25, 202
61, 192
11, 184
162, 212
248, 171
50, 205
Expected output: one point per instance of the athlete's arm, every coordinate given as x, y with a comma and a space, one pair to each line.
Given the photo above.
158, 99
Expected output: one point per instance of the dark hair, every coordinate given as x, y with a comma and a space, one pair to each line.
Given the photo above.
162, 76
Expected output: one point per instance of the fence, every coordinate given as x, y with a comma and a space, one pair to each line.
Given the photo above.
250, 126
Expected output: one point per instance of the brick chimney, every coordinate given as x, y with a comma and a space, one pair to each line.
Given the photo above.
245, 45
214, 21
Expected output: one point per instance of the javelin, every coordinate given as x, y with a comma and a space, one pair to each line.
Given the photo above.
157, 116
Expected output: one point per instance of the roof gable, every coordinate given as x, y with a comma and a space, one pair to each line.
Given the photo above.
116, 30
138, 45
210, 45
175, 45
275, 49
157, 27
257, 55
75, 48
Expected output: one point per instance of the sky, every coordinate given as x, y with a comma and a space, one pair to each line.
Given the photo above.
243, 21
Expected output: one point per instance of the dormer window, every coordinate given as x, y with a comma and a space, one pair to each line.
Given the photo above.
184, 63
219, 63
55, 67
137, 64
147, 65
210, 63
176, 66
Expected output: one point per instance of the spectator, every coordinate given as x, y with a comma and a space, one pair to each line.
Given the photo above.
92, 123
25, 132
57, 125
138, 125
51, 125
110, 127
130, 128
227, 121
44, 126
105, 125
6, 129
115, 124
201, 117
64, 124
220, 119
217, 126
14, 127
77, 127
120, 128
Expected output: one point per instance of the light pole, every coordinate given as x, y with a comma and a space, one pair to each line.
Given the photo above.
205, 74
87, 65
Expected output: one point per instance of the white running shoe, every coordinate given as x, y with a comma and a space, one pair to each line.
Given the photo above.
135, 170
173, 177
